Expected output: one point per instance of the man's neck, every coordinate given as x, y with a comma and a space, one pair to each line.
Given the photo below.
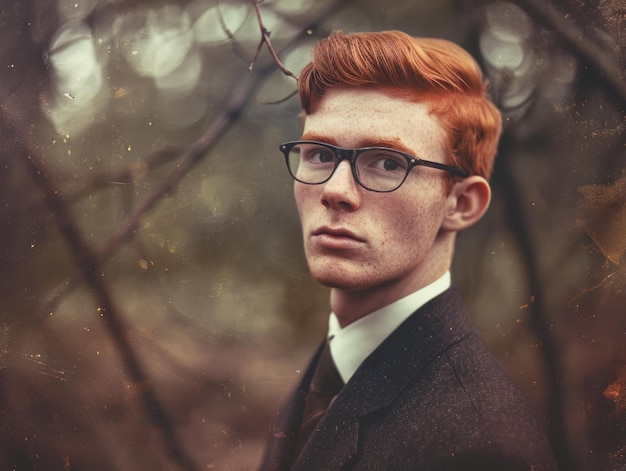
351, 305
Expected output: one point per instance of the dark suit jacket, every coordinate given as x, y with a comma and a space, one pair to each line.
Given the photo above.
430, 397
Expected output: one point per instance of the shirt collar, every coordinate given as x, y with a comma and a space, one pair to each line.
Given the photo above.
351, 345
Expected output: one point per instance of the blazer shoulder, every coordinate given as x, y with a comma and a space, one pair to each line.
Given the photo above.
462, 409
447, 399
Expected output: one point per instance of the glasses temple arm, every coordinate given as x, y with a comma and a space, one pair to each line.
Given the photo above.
448, 168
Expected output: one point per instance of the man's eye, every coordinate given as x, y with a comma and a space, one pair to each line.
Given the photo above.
390, 164
324, 157
318, 156
385, 162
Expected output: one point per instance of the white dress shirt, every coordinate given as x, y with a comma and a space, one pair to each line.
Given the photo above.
351, 345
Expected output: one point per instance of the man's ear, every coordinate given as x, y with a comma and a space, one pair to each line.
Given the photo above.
467, 203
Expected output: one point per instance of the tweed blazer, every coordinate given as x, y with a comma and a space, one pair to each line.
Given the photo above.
430, 397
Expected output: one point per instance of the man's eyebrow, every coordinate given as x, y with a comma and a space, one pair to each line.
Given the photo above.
395, 144
319, 138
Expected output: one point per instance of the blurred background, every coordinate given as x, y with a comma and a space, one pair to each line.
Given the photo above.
155, 303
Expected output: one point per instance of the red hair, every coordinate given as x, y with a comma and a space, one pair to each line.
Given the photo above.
421, 69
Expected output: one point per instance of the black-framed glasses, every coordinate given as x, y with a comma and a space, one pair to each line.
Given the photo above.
374, 168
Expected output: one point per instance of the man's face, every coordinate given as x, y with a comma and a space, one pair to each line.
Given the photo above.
357, 239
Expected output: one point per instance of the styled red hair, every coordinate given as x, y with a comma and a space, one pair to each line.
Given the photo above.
435, 71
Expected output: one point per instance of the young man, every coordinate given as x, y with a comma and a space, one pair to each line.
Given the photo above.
398, 143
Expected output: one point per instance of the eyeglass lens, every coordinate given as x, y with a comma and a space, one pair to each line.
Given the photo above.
376, 169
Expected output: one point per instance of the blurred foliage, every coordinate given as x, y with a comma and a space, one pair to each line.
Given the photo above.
156, 303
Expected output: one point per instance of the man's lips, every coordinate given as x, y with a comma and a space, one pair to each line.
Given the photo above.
336, 238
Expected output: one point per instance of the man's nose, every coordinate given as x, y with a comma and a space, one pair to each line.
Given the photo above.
341, 191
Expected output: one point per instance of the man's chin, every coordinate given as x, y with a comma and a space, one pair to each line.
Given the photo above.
339, 280
337, 284
334, 271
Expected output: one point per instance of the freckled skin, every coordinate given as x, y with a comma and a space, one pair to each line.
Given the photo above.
402, 245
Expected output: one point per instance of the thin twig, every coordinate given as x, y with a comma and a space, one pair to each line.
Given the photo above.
572, 302
265, 38
231, 37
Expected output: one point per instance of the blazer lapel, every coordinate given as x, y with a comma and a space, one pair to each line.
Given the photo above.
374, 387
414, 345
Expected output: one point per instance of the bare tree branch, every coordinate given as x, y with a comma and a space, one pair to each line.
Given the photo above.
538, 318
265, 38
88, 260
89, 265
196, 153
233, 41
604, 65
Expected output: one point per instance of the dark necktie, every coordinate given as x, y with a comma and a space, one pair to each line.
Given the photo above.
325, 385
